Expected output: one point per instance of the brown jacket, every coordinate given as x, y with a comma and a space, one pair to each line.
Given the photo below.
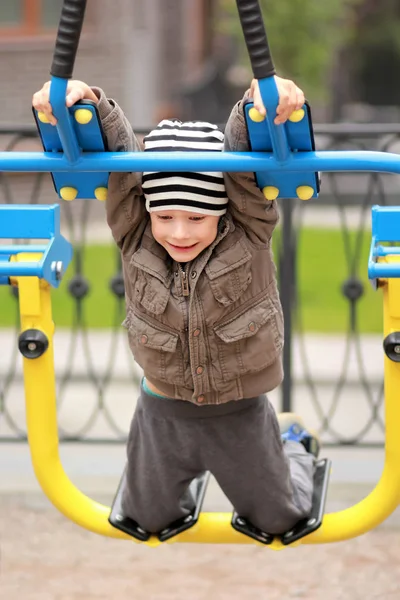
214, 332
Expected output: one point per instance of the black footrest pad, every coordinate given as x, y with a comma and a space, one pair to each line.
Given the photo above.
118, 520
314, 521
198, 487
303, 527
244, 526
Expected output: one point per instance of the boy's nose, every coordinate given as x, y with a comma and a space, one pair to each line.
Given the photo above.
180, 232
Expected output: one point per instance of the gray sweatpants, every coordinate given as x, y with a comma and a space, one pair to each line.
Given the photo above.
172, 441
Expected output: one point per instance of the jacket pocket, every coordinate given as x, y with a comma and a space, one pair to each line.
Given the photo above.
151, 293
155, 348
229, 273
250, 340
150, 281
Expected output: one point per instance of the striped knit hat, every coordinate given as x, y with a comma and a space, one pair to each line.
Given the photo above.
195, 191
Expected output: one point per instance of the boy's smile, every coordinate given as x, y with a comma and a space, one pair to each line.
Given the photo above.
182, 233
182, 248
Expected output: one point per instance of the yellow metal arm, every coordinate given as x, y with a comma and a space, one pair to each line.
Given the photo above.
35, 310
385, 497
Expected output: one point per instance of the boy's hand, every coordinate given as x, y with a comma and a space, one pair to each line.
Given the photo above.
76, 90
291, 98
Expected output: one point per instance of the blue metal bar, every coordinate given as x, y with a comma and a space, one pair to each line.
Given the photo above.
326, 161
270, 97
11, 250
386, 223
3, 279
35, 222
14, 269
387, 250
58, 88
32, 222
385, 228
379, 270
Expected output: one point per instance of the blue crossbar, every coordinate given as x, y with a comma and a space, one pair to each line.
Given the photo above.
385, 228
35, 223
324, 161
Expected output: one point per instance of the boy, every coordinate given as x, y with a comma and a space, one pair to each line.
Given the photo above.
205, 323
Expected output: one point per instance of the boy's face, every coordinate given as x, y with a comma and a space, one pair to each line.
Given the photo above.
183, 234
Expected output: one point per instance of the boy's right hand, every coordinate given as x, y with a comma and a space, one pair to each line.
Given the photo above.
291, 98
76, 90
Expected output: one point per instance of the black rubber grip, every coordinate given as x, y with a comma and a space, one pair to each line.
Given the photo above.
256, 38
69, 32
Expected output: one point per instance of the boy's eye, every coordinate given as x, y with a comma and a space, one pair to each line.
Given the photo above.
197, 218
164, 217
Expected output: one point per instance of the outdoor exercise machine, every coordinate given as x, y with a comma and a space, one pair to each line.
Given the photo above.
286, 165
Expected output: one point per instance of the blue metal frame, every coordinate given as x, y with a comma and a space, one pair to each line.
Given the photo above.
79, 139
69, 157
36, 223
385, 228
270, 96
58, 92
300, 139
324, 161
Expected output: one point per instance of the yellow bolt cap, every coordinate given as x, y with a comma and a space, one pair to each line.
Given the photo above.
83, 116
68, 193
256, 116
271, 192
101, 193
305, 192
297, 116
42, 117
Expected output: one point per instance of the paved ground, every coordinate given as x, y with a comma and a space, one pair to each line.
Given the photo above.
45, 557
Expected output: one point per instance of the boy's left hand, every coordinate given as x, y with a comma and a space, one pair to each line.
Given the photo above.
291, 98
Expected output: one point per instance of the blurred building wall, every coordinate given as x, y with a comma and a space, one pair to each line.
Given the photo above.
139, 51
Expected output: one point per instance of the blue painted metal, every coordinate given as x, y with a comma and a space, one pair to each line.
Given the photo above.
89, 139
327, 161
385, 228
11, 250
58, 88
277, 133
386, 251
33, 222
283, 141
299, 138
282, 156
4, 278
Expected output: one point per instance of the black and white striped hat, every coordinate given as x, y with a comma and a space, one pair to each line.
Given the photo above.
193, 191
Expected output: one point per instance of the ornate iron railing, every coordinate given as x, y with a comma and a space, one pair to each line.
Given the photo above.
336, 380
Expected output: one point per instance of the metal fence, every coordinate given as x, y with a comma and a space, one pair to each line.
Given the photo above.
333, 377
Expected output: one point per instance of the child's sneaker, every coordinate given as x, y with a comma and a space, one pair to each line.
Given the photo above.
293, 430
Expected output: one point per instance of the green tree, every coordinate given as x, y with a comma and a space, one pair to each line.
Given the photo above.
303, 36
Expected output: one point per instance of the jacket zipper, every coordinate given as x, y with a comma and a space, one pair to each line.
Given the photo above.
184, 281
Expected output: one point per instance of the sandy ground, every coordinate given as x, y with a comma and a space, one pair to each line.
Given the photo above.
45, 557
